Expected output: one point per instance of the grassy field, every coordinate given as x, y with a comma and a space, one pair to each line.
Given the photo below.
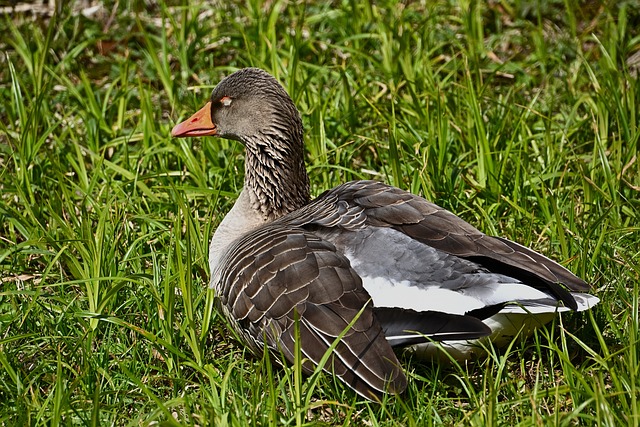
522, 117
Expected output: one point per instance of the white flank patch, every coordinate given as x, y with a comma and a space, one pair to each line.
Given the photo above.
386, 293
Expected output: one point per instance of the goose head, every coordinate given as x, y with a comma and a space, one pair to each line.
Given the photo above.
250, 106
246, 106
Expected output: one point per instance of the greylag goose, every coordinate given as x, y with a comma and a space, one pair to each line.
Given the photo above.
365, 267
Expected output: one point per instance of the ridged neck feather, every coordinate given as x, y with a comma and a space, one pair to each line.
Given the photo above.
275, 173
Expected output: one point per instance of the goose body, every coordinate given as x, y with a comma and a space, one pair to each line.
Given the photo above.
365, 267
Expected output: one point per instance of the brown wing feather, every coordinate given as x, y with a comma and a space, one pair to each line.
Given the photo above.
386, 206
295, 274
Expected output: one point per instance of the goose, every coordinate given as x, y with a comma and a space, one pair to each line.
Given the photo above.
363, 269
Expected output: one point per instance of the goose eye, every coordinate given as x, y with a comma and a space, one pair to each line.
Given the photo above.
226, 101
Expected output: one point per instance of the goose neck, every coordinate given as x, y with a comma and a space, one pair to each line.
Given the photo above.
275, 176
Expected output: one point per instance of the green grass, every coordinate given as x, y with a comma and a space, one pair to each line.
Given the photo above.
521, 117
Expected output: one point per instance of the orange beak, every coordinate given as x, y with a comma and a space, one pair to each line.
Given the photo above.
200, 124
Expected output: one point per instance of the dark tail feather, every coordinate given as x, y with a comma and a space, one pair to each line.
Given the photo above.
404, 327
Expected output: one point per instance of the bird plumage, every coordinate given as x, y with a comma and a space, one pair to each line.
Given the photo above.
363, 268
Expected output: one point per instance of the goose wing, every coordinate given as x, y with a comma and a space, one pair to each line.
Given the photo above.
281, 284
370, 205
